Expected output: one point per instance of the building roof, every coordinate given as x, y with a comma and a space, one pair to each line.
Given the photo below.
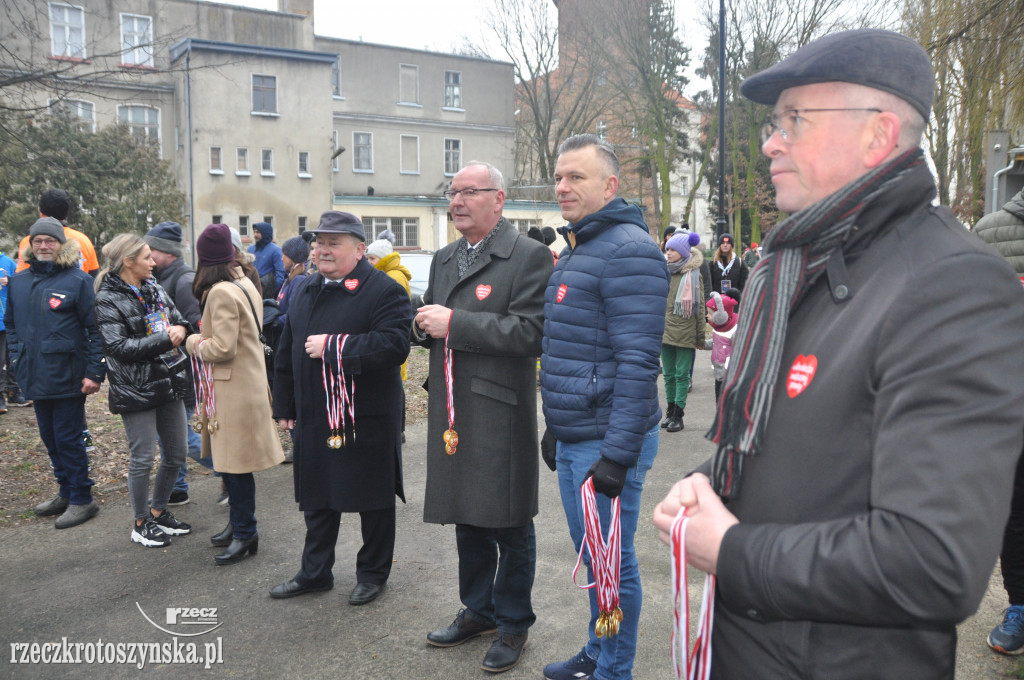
181, 47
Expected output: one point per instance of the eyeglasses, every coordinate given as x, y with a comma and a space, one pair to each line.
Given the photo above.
466, 193
789, 123
46, 242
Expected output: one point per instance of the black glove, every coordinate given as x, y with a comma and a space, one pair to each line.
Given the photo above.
609, 476
547, 449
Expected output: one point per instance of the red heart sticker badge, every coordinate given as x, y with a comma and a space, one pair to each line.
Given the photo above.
351, 284
55, 302
482, 291
801, 373
561, 293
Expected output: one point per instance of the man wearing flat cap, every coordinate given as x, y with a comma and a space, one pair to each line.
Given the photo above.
866, 437
338, 387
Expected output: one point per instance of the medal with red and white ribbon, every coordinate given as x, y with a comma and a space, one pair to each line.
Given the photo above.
695, 665
605, 559
202, 380
451, 439
334, 391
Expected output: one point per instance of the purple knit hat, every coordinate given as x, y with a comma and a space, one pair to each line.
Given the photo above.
682, 241
214, 245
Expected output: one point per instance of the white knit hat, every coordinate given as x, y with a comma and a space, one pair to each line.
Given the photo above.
380, 248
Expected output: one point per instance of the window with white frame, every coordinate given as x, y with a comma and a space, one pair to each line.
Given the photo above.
409, 163
408, 84
136, 40
362, 151
76, 109
453, 89
216, 160
336, 78
684, 185
242, 161
303, 223
452, 156
67, 31
304, 164
142, 121
267, 162
405, 229
334, 153
217, 219
269, 219
243, 225
264, 94
602, 129
523, 226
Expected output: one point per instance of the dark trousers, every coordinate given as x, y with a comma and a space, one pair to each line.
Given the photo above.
1011, 558
241, 490
61, 422
3, 363
496, 570
373, 561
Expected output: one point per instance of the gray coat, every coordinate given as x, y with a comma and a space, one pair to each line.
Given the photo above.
1004, 231
495, 335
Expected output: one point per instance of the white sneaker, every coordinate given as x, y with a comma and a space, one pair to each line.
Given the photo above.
150, 534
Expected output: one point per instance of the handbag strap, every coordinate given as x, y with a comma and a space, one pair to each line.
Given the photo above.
259, 331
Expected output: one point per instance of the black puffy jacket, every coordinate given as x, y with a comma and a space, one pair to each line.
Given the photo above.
139, 379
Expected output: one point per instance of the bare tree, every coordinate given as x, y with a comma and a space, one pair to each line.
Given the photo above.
556, 90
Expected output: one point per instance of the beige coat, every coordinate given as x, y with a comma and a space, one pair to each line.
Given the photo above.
246, 439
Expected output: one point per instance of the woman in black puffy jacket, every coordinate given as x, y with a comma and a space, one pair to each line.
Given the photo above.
141, 331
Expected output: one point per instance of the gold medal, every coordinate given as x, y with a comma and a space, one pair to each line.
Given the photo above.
451, 440
209, 427
196, 424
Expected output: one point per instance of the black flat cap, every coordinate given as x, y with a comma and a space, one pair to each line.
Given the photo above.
882, 60
337, 222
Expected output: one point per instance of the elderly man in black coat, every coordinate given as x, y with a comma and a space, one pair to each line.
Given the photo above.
347, 423
485, 303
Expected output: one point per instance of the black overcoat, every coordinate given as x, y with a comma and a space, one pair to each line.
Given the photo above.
366, 474
495, 337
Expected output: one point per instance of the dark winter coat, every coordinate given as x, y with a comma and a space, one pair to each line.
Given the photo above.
604, 315
139, 378
1004, 230
737, 275
176, 279
269, 263
873, 512
495, 338
366, 474
51, 330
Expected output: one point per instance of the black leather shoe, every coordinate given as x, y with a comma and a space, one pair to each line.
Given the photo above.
504, 653
237, 550
365, 593
223, 538
292, 588
460, 630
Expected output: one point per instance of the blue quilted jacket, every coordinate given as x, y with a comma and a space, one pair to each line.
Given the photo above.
604, 315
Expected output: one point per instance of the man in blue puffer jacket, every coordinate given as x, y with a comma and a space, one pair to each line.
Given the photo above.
268, 262
604, 315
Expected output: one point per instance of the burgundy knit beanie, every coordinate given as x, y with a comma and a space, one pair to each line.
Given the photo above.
214, 245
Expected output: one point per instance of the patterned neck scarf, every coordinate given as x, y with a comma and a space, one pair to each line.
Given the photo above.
467, 257
795, 254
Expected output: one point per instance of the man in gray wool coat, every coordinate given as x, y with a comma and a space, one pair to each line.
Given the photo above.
485, 303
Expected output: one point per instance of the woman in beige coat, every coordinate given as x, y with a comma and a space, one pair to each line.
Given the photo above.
237, 428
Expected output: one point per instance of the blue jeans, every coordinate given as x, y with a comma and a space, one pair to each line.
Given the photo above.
496, 570
614, 655
195, 446
61, 422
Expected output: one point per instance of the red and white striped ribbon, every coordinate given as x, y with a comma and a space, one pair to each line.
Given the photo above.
330, 387
347, 400
202, 376
605, 555
448, 383
695, 664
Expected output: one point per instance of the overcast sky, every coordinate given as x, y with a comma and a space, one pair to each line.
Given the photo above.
437, 26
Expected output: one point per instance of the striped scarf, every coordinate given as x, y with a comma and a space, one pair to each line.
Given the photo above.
795, 254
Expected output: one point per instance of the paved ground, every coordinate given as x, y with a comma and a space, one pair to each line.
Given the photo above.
89, 583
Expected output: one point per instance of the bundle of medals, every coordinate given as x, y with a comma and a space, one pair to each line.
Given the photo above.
339, 399
451, 438
206, 403
697, 664
605, 557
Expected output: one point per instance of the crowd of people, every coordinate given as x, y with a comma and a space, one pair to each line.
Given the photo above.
865, 450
